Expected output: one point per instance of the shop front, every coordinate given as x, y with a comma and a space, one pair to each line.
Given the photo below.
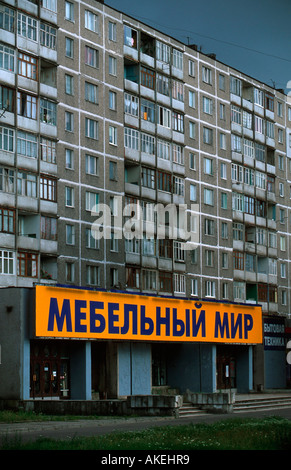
60, 343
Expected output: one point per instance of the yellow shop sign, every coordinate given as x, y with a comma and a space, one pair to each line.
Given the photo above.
79, 313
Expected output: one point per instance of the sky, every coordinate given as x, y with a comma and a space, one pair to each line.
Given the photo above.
252, 36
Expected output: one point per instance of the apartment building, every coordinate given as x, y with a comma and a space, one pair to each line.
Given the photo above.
189, 155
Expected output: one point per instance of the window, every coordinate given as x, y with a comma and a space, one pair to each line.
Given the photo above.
49, 4
165, 248
48, 188
132, 245
130, 37
147, 110
131, 104
131, 138
69, 48
166, 281
70, 272
26, 184
178, 155
7, 220
132, 277
282, 243
192, 161
247, 120
207, 75
92, 201
91, 21
280, 136
222, 141
209, 227
148, 178
112, 135
178, 122
93, 275
192, 129
269, 102
270, 129
210, 288
113, 171
91, 57
26, 105
236, 143
239, 290
179, 186
69, 159
223, 201
238, 260
164, 149
148, 77
69, 121
91, 128
69, 84
248, 148
27, 264
163, 52
192, 99
70, 234
48, 36
209, 258
221, 82
92, 165
194, 287
208, 196
7, 183
148, 144
91, 92
163, 85
224, 230
91, 241
224, 260
259, 125
258, 97
69, 11
207, 136
112, 66
238, 231
177, 59
235, 114
207, 105
283, 270
179, 283
222, 111
112, 31
191, 68
235, 86
70, 196
164, 117
26, 144
6, 18
112, 100
208, 166
6, 58
47, 150
27, 27
48, 228
149, 279
177, 90
48, 112
280, 109
164, 182
27, 66
6, 262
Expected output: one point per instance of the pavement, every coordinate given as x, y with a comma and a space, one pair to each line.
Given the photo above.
60, 430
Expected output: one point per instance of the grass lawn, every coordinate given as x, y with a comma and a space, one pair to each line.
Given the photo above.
273, 433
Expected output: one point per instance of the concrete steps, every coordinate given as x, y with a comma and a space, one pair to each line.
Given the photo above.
262, 403
187, 410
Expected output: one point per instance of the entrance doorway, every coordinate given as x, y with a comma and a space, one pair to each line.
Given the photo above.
225, 368
49, 371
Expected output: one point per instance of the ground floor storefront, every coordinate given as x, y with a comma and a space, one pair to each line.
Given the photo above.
69, 361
